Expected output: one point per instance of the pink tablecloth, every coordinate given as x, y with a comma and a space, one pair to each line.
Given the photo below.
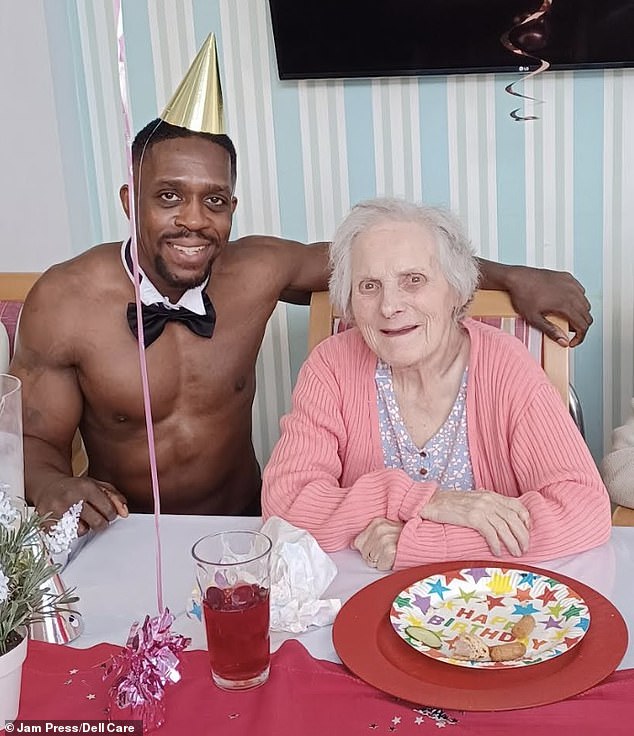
303, 696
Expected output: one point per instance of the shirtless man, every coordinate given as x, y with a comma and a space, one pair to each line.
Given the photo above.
79, 360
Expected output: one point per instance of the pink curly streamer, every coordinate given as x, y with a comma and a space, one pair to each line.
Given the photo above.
147, 405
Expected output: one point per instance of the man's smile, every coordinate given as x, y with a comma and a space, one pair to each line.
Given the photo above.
189, 250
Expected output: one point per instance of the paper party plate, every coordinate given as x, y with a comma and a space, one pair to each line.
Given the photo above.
432, 614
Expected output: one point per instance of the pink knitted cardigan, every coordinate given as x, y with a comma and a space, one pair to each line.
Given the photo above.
326, 473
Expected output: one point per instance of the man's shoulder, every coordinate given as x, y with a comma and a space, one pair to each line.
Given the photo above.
273, 246
263, 241
265, 263
261, 249
92, 272
65, 298
93, 266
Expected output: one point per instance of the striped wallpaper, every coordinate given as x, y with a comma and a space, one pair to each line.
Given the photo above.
553, 192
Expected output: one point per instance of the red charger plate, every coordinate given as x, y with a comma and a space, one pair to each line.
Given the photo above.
368, 645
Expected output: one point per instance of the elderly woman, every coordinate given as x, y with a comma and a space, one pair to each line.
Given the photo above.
420, 435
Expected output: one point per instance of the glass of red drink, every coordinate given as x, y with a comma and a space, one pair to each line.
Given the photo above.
232, 570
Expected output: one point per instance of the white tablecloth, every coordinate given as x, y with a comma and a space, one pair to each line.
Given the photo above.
115, 578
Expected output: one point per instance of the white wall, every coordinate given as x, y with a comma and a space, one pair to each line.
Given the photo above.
34, 220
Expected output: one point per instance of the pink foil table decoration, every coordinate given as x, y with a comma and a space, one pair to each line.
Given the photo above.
142, 670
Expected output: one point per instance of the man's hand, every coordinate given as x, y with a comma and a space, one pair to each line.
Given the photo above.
377, 543
536, 292
500, 520
102, 501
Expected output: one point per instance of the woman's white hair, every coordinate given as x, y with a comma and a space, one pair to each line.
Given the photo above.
455, 253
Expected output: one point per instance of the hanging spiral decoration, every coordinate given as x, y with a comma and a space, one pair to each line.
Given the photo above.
505, 39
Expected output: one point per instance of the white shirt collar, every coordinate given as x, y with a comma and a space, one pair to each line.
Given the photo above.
192, 299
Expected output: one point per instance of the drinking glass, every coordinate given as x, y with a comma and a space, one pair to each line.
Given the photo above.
11, 452
232, 570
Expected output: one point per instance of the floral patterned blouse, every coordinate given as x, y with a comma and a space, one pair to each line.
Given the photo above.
444, 458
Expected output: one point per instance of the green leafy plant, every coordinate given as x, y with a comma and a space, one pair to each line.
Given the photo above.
25, 567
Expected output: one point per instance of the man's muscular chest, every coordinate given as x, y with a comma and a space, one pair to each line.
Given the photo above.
188, 375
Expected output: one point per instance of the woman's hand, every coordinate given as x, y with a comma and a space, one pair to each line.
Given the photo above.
499, 519
377, 543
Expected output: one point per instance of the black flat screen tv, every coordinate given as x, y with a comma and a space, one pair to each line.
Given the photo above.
317, 39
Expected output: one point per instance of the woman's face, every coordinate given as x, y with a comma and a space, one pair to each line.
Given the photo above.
401, 301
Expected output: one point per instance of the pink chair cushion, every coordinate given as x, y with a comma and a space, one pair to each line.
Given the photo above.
9, 314
530, 336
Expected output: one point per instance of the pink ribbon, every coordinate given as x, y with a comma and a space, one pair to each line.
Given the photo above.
147, 405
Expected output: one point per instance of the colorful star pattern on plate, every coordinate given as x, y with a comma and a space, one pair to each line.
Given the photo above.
432, 613
524, 594
438, 588
528, 610
547, 596
494, 602
422, 602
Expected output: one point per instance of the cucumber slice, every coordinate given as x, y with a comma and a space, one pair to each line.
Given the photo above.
425, 636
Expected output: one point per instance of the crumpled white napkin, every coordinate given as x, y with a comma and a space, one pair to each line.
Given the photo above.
300, 573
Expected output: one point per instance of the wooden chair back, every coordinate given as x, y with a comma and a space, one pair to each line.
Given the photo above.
622, 516
15, 286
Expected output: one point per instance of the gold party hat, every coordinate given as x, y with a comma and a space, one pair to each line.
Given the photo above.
197, 103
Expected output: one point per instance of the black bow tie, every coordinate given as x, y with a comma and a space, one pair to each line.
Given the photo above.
156, 316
